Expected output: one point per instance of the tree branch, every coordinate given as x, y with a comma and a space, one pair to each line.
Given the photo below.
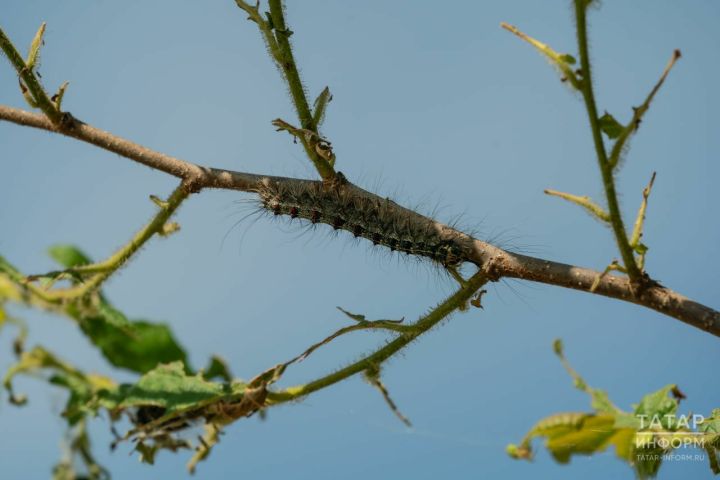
496, 262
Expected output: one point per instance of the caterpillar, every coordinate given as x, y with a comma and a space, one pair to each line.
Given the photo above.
381, 221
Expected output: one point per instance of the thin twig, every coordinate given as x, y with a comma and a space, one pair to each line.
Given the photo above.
276, 35
638, 113
372, 361
616, 220
103, 270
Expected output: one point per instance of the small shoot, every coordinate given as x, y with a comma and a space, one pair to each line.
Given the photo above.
586, 202
640, 248
58, 97
614, 266
28, 78
610, 127
321, 103
33, 57
562, 61
310, 139
162, 204
32, 63
638, 112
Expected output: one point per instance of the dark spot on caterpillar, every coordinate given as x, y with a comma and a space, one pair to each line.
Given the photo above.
392, 244
315, 216
406, 246
276, 209
358, 230
376, 238
338, 222
293, 212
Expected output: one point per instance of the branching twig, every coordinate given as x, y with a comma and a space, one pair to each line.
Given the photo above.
638, 113
389, 325
375, 359
276, 35
102, 270
28, 78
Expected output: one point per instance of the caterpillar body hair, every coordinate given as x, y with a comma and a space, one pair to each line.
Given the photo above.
379, 220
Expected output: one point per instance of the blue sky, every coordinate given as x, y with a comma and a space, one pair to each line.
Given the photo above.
434, 105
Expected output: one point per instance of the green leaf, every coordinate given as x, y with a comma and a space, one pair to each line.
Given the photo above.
569, 434
170, 387
635, 435
141, 349
167, 400
610, 126
68, 255
217, 368
659, 405
567, 58
712, 423
115, 317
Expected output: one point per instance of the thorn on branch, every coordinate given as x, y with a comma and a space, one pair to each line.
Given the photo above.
372, 375
159, 202
476, 301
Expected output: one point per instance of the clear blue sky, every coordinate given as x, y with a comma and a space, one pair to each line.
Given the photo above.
437, 105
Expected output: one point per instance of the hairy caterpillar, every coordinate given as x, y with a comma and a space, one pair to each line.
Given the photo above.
378, 220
